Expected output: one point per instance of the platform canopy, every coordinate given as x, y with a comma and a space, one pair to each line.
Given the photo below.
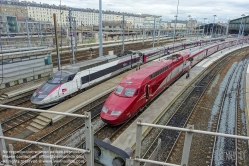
217, 28
236, 24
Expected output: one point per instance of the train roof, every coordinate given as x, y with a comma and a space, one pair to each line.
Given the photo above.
77, 66
139, 76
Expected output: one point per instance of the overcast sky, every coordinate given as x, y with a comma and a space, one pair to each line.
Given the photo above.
198, 9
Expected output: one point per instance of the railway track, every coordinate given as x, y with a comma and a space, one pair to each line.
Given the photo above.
13, 120
202, 145
18, 119
102, 132
225, 150
56, 134
181, 116
18, 101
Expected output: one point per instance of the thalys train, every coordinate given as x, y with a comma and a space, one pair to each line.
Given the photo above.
76, 77
140, 87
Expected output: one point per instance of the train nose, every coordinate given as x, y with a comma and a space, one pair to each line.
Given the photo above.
112, 114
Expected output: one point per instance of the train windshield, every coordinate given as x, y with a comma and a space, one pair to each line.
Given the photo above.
124, 92
119, 90
129, 92
58, 77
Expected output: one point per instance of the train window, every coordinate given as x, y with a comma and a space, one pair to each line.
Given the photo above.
39, 76
119, 89
70, 78
25, 58
24, 80
58, 77
17, 59
136, 92
7, 85
32, 57
129, 92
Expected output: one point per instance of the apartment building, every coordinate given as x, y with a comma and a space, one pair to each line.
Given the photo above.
13, 8
44, 12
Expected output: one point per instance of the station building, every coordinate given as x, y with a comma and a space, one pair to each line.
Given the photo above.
239, 23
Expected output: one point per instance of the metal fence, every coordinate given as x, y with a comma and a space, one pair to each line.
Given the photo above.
7, 155
187, 143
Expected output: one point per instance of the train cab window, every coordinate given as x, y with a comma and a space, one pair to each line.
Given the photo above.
129, 92
119, 89
69, 78
136, 92
58, 77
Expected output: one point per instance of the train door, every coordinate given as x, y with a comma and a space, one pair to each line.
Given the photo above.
70, 86
144, 58
147, 92
181, 67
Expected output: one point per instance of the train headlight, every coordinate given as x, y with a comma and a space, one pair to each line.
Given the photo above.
104, 109
116, 113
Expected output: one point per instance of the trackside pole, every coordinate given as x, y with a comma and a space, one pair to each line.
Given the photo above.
138, 142
3, 148
12, 155
89, 140
47, 156
187, 144
129, 162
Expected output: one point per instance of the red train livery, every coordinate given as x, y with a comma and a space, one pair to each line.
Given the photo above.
138, 88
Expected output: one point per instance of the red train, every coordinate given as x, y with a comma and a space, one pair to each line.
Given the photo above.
140, 87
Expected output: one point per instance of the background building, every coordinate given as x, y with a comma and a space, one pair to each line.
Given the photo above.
44, 12
239, 23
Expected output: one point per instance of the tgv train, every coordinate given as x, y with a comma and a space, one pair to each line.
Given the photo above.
76, 77
140, 87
